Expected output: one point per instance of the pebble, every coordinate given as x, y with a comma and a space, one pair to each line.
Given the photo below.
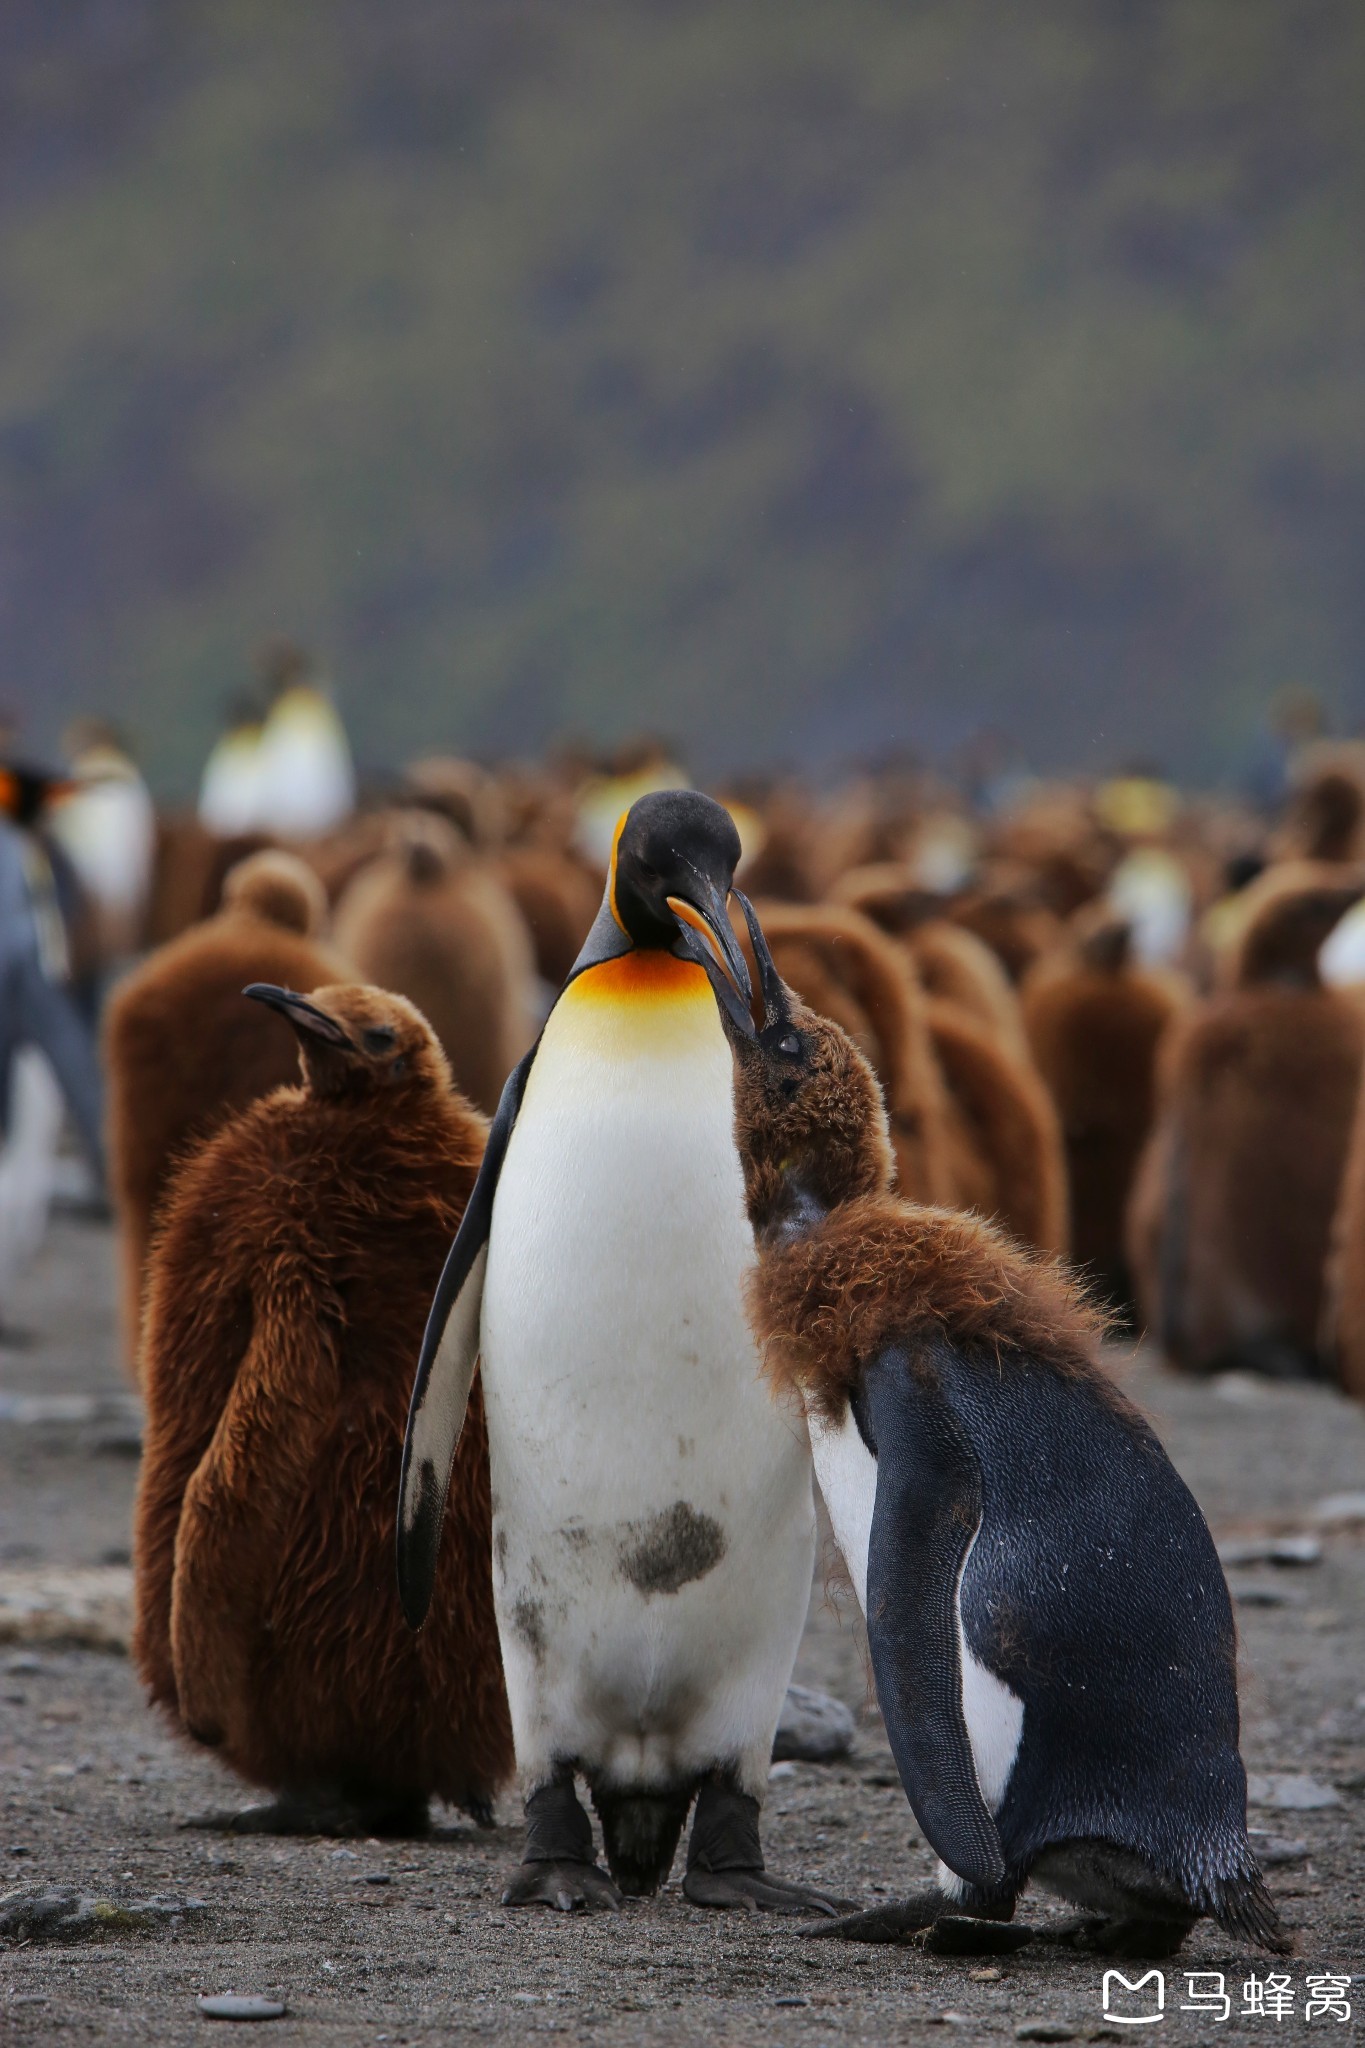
778, 1771
1273, 1852
1339, 1510
25, 1665
1291, 1790
1261, 1596
1044, 2030
38, 1914
1282, 1550
791, 1998
813, 1728
227, 2005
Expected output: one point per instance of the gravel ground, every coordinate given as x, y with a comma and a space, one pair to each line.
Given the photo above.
407, 1942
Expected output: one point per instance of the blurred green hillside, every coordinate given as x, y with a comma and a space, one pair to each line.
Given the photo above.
798, 379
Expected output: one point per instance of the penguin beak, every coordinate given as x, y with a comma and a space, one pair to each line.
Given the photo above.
777, 1009
709, 921
303, 1015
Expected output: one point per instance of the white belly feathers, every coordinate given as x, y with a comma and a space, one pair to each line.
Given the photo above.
653, 1521
847, 1472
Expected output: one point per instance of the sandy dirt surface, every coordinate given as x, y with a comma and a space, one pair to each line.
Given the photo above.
408, 1942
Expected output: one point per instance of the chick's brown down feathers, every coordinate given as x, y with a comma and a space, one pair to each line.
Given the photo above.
287, 1299
1231, 1218
431, 920
1095, 1023
182, 1051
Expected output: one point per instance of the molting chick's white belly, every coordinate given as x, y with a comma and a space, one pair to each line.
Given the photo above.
994, 1715
653, 1517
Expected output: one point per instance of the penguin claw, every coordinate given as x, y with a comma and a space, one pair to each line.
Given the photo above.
566, 1887
753, 1891
899, 1920
1130, 1938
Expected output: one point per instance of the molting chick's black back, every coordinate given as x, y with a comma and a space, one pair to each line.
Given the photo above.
1094, 1592
289, 1289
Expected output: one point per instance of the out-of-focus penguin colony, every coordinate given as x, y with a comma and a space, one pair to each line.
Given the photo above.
1121, 1022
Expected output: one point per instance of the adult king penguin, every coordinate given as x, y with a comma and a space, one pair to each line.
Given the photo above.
653, 1520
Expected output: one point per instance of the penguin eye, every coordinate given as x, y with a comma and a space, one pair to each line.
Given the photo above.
379, 1039
647, 871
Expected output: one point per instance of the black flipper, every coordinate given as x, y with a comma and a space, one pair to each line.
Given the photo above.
925, 1516
445, 1369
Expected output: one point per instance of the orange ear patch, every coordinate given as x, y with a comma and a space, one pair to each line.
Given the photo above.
611, 880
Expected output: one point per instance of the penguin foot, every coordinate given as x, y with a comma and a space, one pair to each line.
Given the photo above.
725, 1860
931, 1914
568, 1887
1130, 1938
753, 1891
557, 1867
958, 1935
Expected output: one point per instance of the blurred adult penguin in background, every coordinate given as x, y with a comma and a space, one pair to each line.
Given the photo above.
36, 1006
230, 790
1232, 1212
305, 780
106, 828
47, 1051
432, 921
182, 1050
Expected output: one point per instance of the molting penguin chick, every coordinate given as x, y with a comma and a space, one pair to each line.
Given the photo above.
431, 920
182, 1051
288, 1291
1232, 1212
1049, 1626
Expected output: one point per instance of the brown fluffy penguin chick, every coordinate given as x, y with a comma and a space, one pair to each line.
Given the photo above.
951, 961
846, 969
958, 967
1344, 1316
558, 898
431, 921
288, 1294
1325, 819
1094, 1023
1232, 1212
1004, 1135
182, 1050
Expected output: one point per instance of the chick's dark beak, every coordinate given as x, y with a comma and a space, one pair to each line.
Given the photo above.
703, 914
305, 1017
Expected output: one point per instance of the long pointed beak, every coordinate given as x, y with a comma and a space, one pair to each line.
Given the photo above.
708, 918
303, 1015
777, 1013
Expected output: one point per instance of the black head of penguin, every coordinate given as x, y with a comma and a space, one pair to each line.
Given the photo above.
673, 866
